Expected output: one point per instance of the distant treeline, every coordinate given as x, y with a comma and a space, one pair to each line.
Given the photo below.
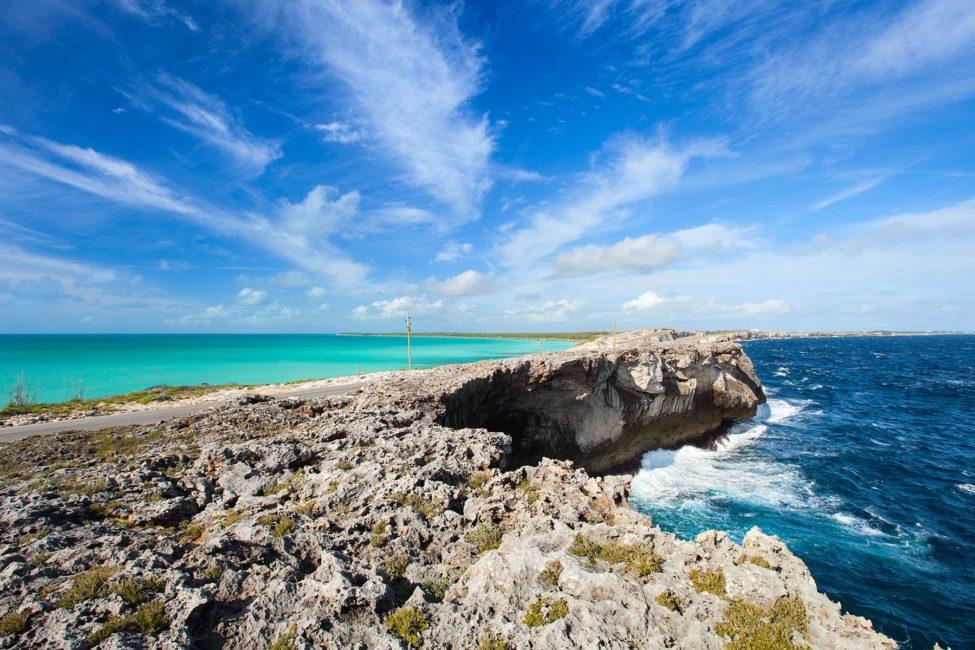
551, 336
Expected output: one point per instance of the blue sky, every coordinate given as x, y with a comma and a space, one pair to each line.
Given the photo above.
309, 166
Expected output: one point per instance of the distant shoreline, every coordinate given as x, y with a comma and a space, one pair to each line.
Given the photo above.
519, 336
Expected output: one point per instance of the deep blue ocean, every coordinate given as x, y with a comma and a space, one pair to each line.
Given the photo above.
863, 462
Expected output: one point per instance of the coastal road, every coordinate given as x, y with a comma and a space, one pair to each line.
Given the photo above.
151, 416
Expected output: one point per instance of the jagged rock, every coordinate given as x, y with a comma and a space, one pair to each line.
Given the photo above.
313, 523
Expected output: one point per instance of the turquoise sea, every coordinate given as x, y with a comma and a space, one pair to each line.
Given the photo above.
58, 366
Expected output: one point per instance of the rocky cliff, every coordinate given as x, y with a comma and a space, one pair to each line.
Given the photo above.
417, 511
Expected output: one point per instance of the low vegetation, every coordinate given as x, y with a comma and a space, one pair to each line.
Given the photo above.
15, 623
758, 560
486, 537
638, 558
708, 580
545, 610
527, 491
286, 641
148, 619
418, 504
669, 600
491, 642
435, 589
377, 535
21, 402
396, 566
750, 627
408, 625
87, 585
551, 573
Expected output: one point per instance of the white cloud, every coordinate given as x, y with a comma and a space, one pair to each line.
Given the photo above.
646, 253
453, 251
847, 193
410, 81
248, 296
774, 306
153, 11
341, 132
399, 306
206, 117
646, 300
316, 292
595, 92
296, 232
651, 252
468, 283
548, 311
636, 169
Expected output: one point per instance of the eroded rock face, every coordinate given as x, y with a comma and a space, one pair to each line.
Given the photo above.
599, 409
362, 522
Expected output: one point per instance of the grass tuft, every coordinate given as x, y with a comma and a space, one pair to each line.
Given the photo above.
750, 627
87, 585
486, 537
15, 623
435, 589
551, 573
408, 624
545, 610
418, 504
670, 601
709, 581
148, 619
636, 557
396, 566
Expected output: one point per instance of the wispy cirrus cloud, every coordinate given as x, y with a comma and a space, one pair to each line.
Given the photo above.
634, 169
205, 116
297, 232
155, 11
847, 193
410, 81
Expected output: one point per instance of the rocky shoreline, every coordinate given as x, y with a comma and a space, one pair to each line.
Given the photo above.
460, 507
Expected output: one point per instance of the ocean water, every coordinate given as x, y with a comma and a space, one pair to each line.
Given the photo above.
863, 462
55, 366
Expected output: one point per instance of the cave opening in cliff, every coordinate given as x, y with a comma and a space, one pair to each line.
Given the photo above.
506, 403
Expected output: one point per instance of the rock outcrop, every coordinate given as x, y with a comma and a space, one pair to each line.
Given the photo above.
417, 511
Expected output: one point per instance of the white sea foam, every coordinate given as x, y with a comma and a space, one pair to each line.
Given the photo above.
856, 524
780, 410
694, 476
781, 372
966, 487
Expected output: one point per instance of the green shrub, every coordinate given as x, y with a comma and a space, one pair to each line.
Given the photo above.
477, 481
758, 560
87, 585
435, 589
545, 610
15, 623
528, 491
192, 532
136, 591
751, 627
213, 572
148, 619
418, 504
708, 580
408, 624
345, 465
551, 573
396, 566
275, 488
377, 537
669, 600
636, 557
486, 537
286, 641
284, 527
491, 642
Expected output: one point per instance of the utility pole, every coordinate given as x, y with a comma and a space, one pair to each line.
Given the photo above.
409, 342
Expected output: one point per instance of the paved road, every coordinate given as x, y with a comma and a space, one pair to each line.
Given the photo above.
152, 416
